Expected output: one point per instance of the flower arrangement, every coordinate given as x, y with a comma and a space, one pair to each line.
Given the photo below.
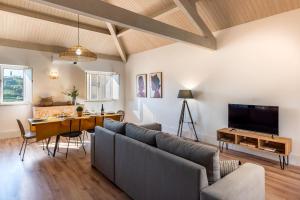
73, 93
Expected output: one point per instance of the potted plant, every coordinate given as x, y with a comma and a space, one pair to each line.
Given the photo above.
73, 93
79, 110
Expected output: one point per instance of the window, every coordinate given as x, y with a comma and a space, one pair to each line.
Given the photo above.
16, 84
102, 86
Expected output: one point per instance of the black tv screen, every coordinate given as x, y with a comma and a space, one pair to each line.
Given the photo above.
254, 118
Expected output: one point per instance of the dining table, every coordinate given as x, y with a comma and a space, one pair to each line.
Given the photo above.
48, 127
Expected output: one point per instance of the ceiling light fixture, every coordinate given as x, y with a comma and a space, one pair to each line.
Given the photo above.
78, 53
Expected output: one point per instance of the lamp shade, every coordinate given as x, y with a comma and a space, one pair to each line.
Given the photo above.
78, 54
185, 94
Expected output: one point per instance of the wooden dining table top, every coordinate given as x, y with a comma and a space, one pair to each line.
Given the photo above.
35, 121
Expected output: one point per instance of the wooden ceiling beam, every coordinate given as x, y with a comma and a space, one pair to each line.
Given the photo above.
46, 48
122, 17
190, 10
51, 18
156, 15
119, 46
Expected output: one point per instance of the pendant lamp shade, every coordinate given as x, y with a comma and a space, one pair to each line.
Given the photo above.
78, 53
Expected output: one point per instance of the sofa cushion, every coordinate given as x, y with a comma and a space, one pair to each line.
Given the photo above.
115, 126
141, 134
201, 154
152, 126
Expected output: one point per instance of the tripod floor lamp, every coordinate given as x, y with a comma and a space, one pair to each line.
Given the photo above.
185, 94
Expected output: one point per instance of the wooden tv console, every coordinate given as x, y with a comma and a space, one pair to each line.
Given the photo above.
275, 145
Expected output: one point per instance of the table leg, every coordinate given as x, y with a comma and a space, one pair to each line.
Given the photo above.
287, 160
221, 146
56, 144
282, 162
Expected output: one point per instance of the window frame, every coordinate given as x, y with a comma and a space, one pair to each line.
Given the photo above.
88, 86
15, 67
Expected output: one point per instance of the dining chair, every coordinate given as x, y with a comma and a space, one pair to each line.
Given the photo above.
89, 125
122, 113
74, 131
26, 135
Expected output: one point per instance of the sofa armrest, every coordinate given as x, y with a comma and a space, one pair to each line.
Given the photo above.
104, 152
152, 126
247, 183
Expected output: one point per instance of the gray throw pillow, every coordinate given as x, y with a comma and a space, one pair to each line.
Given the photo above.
228, 166
141, 134
115, 126
204, 155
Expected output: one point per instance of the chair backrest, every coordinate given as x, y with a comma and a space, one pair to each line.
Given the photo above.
121, 112
89, 123
70, 125
21, 127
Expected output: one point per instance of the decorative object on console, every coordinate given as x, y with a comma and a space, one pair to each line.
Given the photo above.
185, 94
46, 101
79, 110
73, 93
156, 85
78, 53
141, 85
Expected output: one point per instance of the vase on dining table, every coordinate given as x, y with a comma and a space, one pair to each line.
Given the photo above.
73, 100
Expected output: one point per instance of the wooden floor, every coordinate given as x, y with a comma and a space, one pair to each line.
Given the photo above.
43, 177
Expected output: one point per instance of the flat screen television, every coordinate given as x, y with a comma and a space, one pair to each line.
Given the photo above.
253, 118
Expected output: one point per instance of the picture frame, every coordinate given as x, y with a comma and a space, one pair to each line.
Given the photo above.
155, 84
141, 85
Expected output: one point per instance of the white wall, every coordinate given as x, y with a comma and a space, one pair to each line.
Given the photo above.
69, 75
256, 63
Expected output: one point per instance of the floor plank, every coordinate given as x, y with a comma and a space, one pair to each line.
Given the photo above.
43, 177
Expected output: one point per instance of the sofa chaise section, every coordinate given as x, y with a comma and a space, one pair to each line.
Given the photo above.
246, 183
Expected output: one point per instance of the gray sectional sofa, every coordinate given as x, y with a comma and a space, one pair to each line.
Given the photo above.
152, 165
